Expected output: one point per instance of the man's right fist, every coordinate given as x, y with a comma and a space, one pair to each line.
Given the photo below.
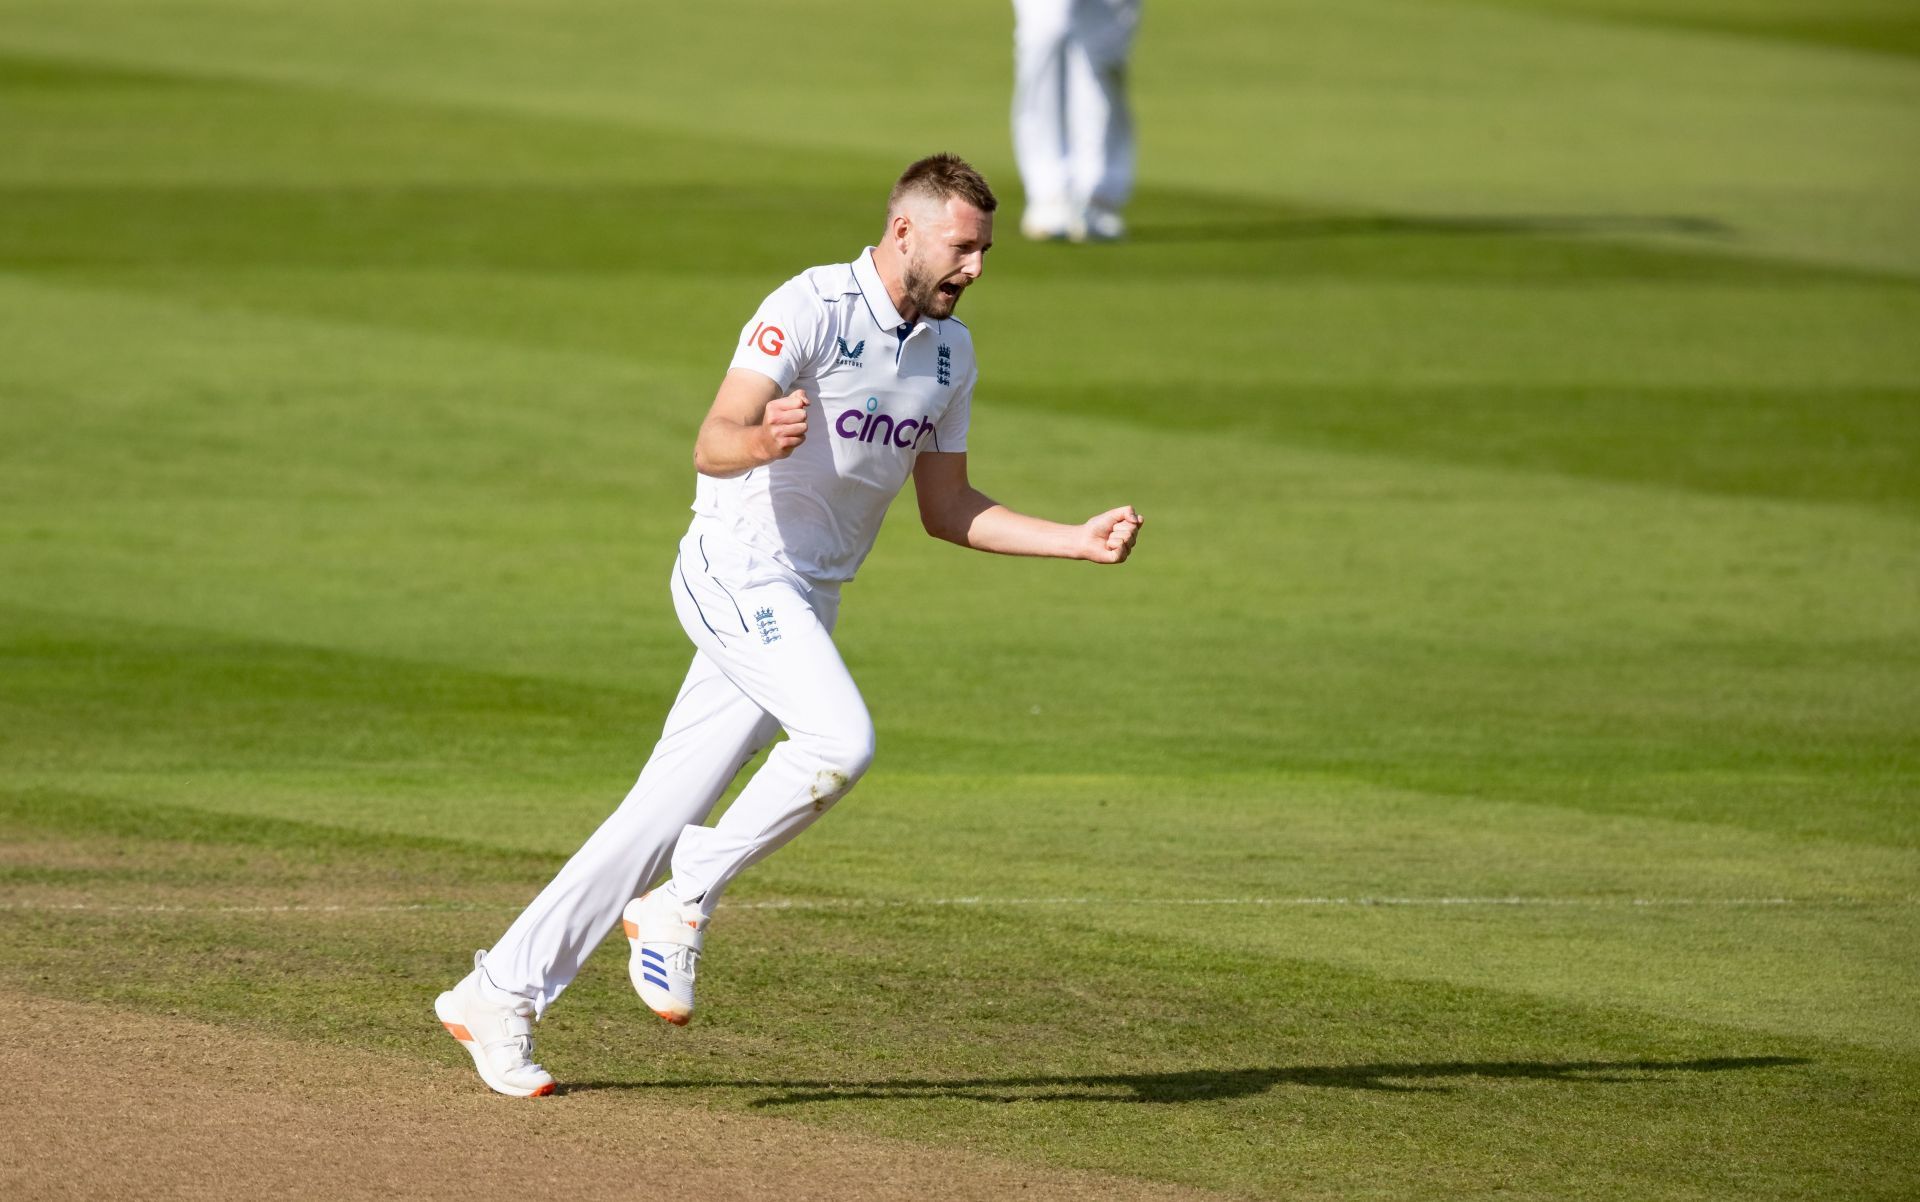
786, 422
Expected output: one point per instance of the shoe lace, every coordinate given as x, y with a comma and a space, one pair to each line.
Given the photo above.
519, 1037
683, 959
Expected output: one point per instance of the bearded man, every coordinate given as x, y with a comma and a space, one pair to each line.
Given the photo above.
849, 379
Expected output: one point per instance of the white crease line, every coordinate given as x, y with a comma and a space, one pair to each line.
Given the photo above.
1593, 902
96, 908
1006, 902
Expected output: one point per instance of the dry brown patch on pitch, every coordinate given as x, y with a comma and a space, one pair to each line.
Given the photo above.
110, 1103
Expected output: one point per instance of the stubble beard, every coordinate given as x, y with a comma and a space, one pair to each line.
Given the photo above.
924, 291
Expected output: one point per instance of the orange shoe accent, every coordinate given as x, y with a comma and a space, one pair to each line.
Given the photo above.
678, 1020
543, 1091
458, 1032
632, 928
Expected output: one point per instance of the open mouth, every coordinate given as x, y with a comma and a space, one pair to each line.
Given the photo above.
951, 291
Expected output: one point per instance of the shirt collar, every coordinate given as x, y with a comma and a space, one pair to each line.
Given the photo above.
867, 276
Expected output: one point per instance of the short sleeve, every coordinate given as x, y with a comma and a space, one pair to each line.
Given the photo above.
785, 336
950, 432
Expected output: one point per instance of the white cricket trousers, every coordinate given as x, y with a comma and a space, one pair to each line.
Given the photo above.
765, 659
1072, 127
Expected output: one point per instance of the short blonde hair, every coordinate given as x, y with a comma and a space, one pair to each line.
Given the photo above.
939, 177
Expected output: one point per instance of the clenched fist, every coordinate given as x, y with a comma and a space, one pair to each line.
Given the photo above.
1110, 536
785, 423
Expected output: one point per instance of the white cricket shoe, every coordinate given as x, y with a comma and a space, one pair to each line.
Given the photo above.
666, 935
1100, 224
498, 1037
1047, 222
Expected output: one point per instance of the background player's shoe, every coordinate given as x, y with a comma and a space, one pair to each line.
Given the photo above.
666, 935
1047, 222
498, 1035
1101, 224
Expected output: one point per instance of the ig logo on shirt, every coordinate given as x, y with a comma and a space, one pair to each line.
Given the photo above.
768, 340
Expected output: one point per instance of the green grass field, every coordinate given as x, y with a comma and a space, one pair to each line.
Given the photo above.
1524, 398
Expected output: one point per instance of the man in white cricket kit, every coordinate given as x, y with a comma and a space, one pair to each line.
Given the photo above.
1072, 126
850, 378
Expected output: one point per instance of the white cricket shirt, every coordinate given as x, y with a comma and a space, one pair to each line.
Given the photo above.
882, 391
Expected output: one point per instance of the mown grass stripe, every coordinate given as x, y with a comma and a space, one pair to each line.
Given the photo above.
995, 903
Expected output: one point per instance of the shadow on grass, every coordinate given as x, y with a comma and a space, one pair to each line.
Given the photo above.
1207, 1085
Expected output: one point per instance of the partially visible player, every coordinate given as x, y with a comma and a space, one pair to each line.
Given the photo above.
848, 379
1072, 126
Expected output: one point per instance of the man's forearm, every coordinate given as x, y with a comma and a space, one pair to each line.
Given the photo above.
984, 524
726, 448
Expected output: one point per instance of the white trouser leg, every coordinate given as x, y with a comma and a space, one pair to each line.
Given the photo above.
742, 687
1039, 100
710, 734
1099, 121
772, 634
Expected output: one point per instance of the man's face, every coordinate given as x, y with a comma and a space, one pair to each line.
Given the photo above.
947, 246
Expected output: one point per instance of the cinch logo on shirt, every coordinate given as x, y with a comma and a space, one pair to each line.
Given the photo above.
874, 426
